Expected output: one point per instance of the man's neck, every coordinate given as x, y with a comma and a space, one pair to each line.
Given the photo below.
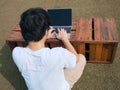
36, 45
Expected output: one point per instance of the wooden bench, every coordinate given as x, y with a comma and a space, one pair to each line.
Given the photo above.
96, 38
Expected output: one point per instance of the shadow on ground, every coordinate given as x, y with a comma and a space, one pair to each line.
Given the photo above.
9, 70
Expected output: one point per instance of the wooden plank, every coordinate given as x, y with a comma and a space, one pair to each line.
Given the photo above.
109, 29
81, 48
74, 27
114, 51
74, 23
92, 51
22, 44
17, 27
15, 36
97, 29
72, 35
52, 45
88, 29
80, 33
107, 52
103, 29
98, 52
75, 45
113, 30
56, 44
19, 44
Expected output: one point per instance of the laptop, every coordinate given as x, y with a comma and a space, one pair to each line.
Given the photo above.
61, 18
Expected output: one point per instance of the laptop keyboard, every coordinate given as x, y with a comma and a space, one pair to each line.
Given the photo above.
68, 29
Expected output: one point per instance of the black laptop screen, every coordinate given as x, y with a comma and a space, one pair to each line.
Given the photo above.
60, 17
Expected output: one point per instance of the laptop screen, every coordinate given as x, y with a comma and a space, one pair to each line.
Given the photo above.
60, 17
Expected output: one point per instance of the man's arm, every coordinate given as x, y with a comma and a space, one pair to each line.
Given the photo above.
62, 35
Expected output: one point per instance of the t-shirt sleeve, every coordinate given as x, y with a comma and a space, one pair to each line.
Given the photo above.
17, 58
67, 57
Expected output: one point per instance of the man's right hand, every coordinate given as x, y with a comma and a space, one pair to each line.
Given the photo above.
62, 35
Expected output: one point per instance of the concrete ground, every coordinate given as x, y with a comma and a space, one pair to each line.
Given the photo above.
95, 76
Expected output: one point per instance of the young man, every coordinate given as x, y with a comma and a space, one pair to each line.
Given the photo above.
41, 67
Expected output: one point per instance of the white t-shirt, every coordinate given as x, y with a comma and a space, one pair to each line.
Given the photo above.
44, 69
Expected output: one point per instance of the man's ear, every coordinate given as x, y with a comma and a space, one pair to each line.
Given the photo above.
46, 32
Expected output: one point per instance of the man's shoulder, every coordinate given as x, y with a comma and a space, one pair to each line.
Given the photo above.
16, 49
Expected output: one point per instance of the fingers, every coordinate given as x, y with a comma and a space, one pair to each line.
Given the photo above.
61, 34
51, 30
61, 30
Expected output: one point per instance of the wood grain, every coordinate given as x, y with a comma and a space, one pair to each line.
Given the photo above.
96, 38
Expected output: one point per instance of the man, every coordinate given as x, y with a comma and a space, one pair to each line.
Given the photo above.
41, 67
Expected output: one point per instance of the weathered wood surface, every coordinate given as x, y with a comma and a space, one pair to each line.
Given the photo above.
96, 38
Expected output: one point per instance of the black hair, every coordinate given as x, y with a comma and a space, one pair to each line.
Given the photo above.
34, 23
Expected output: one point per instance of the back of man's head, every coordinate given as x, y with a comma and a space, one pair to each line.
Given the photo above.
34, 23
